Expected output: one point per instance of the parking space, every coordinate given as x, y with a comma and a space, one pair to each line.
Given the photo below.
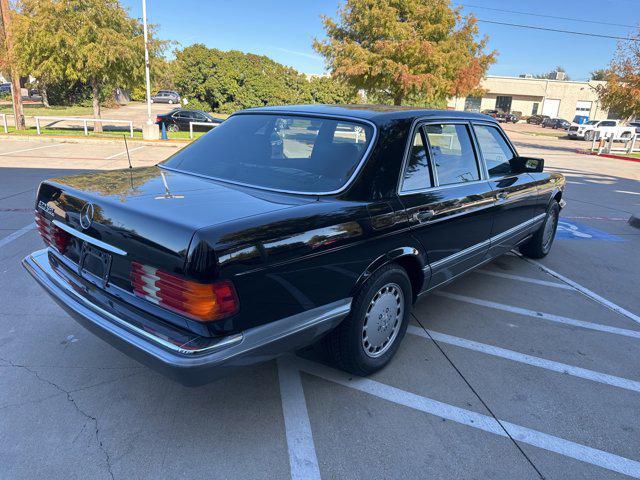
518, 370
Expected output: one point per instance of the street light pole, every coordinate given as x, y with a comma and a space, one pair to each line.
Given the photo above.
150, 129
146, 60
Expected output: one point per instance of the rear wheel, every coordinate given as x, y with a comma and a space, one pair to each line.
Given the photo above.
173, 127
369, 337
540, 244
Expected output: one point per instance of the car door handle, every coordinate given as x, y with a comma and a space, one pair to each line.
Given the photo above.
425, 215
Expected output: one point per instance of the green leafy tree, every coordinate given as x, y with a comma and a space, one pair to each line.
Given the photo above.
598, 74
331, 91
224, 82
399, 50
94, 43
621, 93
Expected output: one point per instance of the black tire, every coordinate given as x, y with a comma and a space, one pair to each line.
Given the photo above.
346, 344
173, 127
588, 136
540, 244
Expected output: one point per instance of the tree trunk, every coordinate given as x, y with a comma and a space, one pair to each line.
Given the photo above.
95, 93
397, 99
45, 96
16, 93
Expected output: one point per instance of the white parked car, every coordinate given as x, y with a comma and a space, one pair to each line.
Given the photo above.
600, 129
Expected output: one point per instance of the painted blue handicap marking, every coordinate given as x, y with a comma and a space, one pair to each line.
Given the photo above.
578, 231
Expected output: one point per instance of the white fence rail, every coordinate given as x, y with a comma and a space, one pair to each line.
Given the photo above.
84, 122
204, 124
608, 145
4, 122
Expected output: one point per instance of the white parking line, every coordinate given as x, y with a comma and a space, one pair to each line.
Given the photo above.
535, 281
541, 315
604, 378
472, 419
584, 290
302, 452
31, 149
124, 153
18, 233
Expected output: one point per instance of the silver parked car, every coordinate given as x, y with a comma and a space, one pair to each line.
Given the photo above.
166, 96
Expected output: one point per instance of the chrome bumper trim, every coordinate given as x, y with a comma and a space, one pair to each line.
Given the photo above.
88, 239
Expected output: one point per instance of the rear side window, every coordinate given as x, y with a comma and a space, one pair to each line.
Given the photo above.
452, 153
607, 124
416, 174
495, 150
282, 152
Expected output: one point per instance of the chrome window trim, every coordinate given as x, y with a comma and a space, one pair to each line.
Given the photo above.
88, 239
356, 171
496, 238
418, 123
504, 136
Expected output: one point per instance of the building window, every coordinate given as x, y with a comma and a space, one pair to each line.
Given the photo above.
472, 104
503, 103
534, 110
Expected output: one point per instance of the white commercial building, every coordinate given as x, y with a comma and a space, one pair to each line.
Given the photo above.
531, 96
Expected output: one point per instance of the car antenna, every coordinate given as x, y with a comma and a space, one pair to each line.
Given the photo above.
127, 148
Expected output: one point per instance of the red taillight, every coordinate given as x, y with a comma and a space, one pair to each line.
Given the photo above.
201, 301
51, 234
159, 119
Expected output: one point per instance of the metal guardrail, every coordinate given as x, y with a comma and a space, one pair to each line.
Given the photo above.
4, 122
204, 124
84, 122
606, 144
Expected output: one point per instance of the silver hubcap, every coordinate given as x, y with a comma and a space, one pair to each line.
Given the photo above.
549, 230
382, 320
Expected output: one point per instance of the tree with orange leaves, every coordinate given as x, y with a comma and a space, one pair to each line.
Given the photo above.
621, 93
400, 50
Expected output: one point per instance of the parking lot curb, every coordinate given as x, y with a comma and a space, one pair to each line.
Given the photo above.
607, 155
94, 141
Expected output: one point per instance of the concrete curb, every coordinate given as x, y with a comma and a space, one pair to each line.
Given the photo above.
634, 220
94, 140
607, 155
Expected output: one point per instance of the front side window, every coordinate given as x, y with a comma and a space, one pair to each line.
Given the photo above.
495, 151
281, 152
452, 153
416, 175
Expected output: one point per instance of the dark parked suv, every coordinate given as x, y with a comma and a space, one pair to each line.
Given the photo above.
287, 225
537, 119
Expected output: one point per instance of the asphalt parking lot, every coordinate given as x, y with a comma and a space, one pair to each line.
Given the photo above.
520, 370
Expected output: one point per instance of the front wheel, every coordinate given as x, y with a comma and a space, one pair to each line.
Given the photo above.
369, 337
589, 135
540, 244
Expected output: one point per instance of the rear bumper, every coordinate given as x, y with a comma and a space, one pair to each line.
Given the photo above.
183, 363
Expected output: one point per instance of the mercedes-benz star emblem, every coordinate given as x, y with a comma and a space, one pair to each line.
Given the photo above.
86, 216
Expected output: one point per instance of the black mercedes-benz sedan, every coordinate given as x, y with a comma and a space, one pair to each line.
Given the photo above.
285, 226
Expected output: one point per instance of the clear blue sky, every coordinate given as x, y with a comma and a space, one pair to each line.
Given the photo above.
284, 30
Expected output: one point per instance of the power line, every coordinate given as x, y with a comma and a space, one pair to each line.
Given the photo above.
546, 16
572, 32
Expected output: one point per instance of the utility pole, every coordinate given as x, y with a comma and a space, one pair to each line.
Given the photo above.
18, 111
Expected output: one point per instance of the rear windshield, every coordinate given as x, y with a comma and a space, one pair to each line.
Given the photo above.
281, 152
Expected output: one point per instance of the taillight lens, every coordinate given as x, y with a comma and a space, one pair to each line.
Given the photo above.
51, 234
200, 301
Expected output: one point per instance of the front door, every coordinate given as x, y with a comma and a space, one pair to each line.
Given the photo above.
446, 199
515, 195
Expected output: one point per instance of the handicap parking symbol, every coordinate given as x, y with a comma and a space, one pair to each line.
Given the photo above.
577, 231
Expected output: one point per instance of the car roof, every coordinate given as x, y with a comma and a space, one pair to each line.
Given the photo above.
373, 113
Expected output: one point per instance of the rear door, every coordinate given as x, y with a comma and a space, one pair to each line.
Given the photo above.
515, 194
447, 198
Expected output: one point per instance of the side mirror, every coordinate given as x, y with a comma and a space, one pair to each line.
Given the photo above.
526, 164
